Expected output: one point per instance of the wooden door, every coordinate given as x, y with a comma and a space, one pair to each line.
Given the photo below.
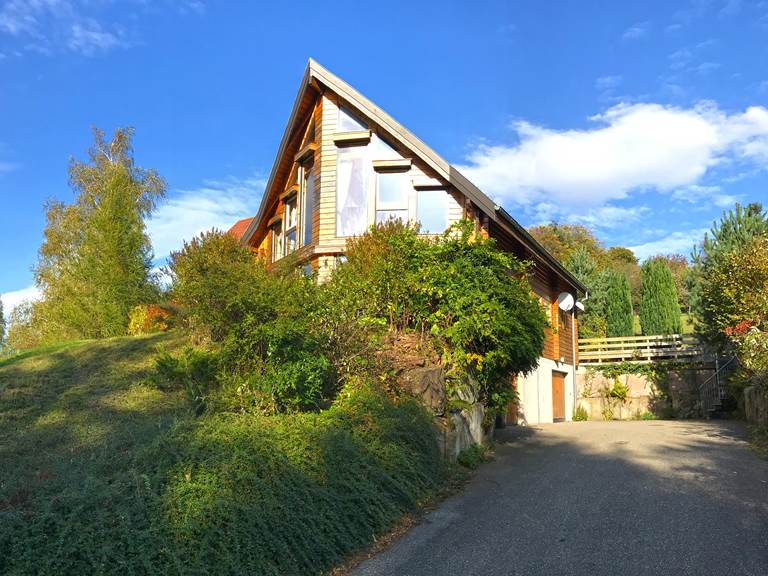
558, 396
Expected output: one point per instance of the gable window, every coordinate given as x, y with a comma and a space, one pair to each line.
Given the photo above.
348, 122
277, 241
352, 170
392, 192
290, 220
432, 211
308, 204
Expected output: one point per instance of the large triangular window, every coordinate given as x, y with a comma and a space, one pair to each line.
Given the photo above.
348, 122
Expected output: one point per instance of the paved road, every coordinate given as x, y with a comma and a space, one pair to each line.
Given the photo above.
599, 498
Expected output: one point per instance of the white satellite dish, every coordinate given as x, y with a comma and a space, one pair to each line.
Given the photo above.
565, 301
580, 306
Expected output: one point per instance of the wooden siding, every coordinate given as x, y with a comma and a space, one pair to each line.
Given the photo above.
322, 110
546, 285
327, 172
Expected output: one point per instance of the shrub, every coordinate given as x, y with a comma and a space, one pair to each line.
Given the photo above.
580, 414
619, 391
217, 282
473, 456
194, 371
295, 494
148, 319
472, 298
262, 321
227, 493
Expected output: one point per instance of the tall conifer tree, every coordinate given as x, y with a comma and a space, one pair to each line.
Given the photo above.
618, 305
659, 307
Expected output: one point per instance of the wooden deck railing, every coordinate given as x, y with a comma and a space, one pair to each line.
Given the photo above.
641, 349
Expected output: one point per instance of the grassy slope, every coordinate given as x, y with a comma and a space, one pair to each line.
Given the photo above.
95, 478
71, 411
72, 419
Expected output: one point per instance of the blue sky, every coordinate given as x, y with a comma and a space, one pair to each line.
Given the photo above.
642, 120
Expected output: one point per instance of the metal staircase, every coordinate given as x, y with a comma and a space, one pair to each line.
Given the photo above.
714, 390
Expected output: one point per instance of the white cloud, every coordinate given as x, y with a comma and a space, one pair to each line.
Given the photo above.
89, 37
696, 193
29, 18
636, 31
16, 297
630, 148
217, 204
674, 243
608, 217
81, 26
607, 82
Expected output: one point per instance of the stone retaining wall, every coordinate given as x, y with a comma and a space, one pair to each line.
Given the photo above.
756, 405
678, 397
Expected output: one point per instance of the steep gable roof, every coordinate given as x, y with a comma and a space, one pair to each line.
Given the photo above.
316, 77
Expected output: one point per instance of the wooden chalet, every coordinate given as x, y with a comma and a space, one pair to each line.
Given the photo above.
344, 164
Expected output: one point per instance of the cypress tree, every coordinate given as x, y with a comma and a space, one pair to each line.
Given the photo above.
659, 307
618, 305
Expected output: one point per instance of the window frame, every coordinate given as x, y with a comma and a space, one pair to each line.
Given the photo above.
307, 211
277, 240
290, 210
447, 214
404, 206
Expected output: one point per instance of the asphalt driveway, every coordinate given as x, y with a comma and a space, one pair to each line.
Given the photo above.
599, 498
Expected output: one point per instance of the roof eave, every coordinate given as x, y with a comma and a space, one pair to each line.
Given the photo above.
539, 250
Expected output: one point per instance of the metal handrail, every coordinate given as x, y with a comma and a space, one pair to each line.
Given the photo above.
711, 396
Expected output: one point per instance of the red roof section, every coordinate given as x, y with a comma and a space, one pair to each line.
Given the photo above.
239, 227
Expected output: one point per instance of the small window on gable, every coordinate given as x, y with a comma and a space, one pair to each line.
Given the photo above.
432, 211
277, 241
392, 192
290, 220
308, 204
348, 122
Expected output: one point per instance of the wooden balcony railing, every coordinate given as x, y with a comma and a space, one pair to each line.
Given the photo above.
641, 349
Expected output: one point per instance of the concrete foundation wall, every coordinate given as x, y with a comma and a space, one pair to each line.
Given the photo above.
535, 393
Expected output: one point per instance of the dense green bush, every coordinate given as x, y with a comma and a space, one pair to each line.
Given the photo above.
472, 298
194, 371
261, 322
235, 494
473, 456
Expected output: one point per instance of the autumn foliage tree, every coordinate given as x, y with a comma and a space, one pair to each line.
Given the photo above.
95, 261
714, 261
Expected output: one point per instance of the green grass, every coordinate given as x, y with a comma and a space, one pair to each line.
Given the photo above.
685, 319
102, 473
